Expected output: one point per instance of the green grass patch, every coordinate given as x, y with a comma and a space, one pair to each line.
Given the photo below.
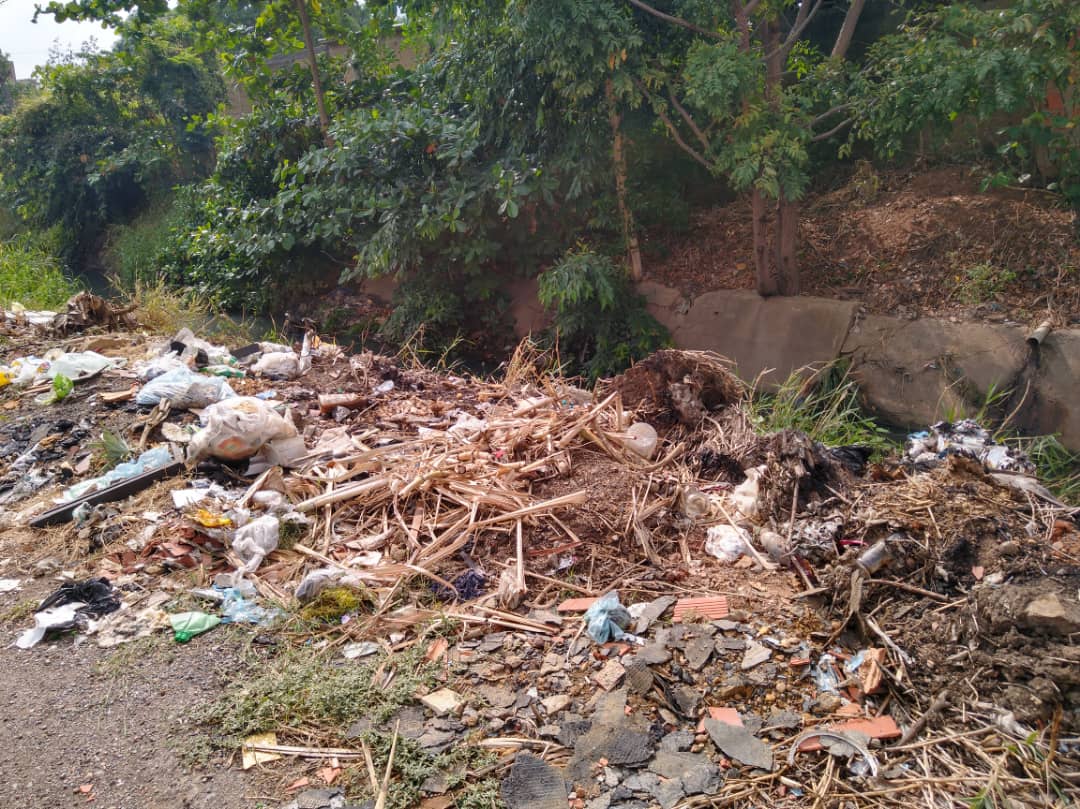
824, 405
32, 276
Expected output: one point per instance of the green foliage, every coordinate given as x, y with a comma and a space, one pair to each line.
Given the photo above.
302, 690
600, 320
133, 251
964, 59
983, 282
825, 406
30, 275
105, 131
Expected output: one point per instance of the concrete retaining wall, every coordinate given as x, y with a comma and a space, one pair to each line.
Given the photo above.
911, 372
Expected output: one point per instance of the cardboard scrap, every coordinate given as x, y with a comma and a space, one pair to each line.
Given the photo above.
249, 757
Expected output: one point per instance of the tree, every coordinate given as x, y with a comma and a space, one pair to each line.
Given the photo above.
106, 130
1018, 63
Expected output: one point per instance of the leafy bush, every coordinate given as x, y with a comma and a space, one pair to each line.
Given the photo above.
133, 251
32, 276
105, 131
600, 320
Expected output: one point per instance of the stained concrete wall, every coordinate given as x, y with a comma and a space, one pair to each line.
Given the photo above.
911, 372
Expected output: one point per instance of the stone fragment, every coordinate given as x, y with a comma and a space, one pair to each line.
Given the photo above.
653, 654
651, 612
610, 675
698, 652
556, 703
755, 654
320, 799
677, 741
1049, 613
697, 773
443, 701
739, 744
533, 784
552, 663
687, 700
571, 729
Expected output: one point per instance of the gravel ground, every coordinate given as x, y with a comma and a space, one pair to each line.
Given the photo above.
108, 727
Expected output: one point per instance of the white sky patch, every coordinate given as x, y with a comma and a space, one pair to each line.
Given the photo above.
28, 44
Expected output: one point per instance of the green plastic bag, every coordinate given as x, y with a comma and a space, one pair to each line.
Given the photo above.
187, 625
62, 386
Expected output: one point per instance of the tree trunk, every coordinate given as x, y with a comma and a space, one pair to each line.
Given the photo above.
847, 30
618, 158
320, 101
763, 268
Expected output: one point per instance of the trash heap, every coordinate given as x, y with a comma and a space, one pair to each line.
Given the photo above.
653, 604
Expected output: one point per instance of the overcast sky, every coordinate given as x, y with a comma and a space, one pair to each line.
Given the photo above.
28, 44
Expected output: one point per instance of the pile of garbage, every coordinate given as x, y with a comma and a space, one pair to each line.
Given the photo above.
754, 618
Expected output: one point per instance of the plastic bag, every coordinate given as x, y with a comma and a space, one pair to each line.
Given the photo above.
80, 365
252, 542
237, 609
184, 389
61, 388
187, 625
238, 428
726, 542
285, 364
151, 459
160, 365
606, 619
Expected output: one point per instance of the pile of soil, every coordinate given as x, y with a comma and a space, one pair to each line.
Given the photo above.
903, 243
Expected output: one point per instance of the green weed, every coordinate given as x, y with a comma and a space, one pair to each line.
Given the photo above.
18, 611
31, 276
1058, 468
305, 692
824, 405
983, 282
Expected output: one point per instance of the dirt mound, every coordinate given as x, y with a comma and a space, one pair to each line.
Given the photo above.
930, 243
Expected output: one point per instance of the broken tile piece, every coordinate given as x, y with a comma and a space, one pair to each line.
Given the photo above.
575, 605
739, 744
443, 701
729, 716
610, 675
881, 727
533, 784
496, 697
654, 654
711, 607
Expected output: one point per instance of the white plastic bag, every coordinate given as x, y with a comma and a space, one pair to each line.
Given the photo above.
238, 428
285, 364
80, 365
184, 389
726, 542
255, 540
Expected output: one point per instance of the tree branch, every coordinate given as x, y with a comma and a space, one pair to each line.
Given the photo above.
698, 133
802, 20
679, 21
826, 135
686, 147
751, 7
829, 113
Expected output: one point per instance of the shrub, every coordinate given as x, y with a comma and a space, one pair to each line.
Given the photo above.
600, 320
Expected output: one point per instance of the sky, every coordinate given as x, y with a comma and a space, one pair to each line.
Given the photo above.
28, 44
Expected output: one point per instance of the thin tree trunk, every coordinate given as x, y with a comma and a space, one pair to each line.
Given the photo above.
847, 30
763, 271
320, 101
619, 160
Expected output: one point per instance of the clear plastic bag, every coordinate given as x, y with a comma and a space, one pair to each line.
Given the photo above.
184, 389
252, 542
237, 429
